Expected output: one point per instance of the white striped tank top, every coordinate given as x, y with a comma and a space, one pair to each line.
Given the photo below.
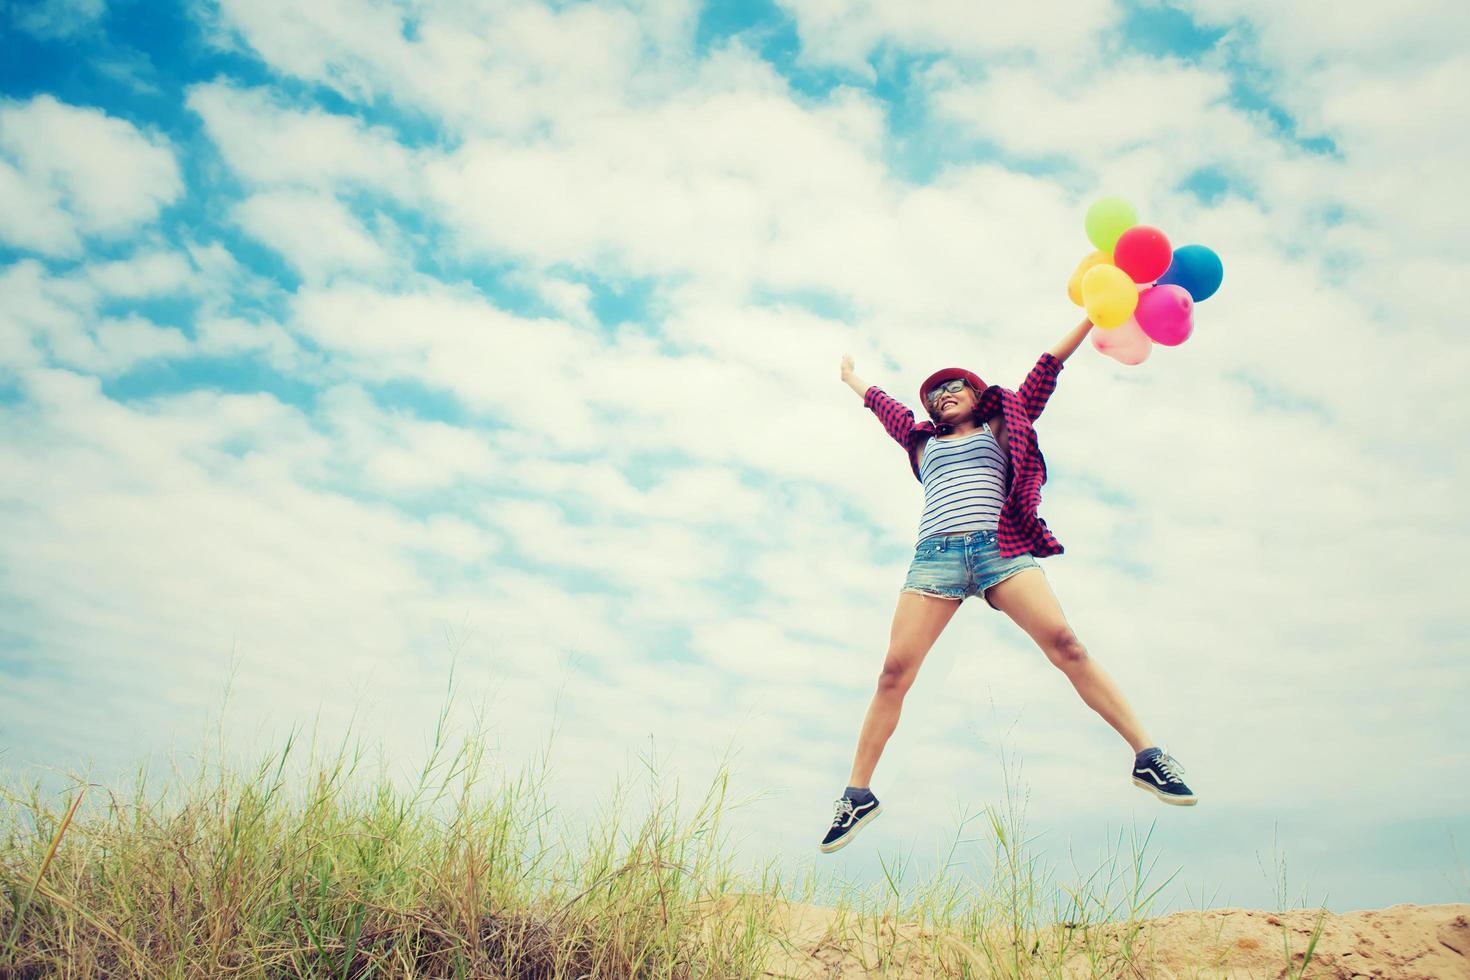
964, 483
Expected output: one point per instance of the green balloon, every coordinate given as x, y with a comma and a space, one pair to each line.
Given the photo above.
1107, 219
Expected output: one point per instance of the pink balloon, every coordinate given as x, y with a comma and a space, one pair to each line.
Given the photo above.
1143, 252
1166, 314
1127, 343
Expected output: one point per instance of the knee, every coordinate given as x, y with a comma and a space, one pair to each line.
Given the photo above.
896, 677
1066, 650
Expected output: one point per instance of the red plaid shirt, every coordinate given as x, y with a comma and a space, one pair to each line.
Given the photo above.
1021, 531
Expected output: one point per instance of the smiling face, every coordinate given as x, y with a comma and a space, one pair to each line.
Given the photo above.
953, 406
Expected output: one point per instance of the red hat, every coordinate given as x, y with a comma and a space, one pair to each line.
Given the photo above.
948, 374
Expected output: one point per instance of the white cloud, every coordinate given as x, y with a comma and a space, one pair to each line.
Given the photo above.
63, 319
69, 173
188, 513
454, 340
146, 273
267, 142
571, 300
396, 453
701, 496
1091, 115
45, 318
720, 172
132, 68
1308, 37
231, 336
761, 652
315, 233
53, 19
33, 306
1409, 163
1383, 85
242, 554
336, 42
507, 67
32, 216
846, 32
683, 190
112, 345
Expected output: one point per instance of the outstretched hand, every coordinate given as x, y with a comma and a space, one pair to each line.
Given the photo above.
851, 379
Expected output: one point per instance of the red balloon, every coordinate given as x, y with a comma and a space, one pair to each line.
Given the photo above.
1143, 253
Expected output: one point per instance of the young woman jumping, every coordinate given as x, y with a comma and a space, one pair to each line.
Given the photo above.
982, 470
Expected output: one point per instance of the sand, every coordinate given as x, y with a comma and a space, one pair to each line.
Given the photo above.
1403, 941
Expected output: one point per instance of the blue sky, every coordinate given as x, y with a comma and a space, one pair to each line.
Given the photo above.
337, 342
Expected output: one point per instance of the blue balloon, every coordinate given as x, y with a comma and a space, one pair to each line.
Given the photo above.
1197, 269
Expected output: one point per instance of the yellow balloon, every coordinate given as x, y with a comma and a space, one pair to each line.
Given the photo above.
1074, 285
1109, 295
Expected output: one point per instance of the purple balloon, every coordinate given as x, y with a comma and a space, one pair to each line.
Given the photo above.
1166, 314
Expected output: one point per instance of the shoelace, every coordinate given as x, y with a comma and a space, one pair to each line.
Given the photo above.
1171, 768
843, 809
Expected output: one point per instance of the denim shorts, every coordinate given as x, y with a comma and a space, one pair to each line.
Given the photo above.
954, 566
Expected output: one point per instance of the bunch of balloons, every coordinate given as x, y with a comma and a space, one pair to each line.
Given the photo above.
1136, 287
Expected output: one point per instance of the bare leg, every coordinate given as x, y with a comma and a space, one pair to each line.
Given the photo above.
1027, 598
917, 623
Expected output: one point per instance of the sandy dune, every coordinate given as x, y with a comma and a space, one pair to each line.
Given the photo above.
1403, 941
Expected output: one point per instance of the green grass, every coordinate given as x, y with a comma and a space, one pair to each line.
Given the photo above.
335, 873
308, 864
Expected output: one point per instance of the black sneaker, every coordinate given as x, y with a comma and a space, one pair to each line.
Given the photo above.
1160, 776
850, 817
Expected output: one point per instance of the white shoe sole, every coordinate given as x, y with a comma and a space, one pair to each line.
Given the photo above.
1167, 798
841, 842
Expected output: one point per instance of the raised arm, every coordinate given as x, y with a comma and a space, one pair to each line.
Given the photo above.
1071, 341
897, 419
853, 381
1042, 381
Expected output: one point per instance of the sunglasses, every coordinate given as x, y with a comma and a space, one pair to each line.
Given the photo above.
951, 387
